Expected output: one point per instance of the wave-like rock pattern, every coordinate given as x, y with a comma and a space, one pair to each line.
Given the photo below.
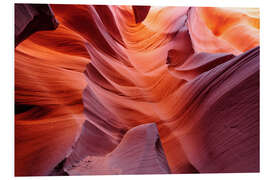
139, 152
192, 71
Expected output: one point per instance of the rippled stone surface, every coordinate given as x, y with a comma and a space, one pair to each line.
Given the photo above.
185, 77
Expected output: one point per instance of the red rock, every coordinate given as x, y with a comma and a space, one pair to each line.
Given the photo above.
139, 152
178, 68
30, 18
140, 12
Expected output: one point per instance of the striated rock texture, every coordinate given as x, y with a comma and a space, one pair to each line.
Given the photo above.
139, 152
95, 95
222, 123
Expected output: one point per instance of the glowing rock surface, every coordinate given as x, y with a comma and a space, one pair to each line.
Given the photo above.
106, 71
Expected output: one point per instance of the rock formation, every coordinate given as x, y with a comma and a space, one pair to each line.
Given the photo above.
136, 90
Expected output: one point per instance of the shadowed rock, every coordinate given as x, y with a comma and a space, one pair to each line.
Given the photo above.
225, 133
92, 142
204, 100
30, 18
140, 12
140, 152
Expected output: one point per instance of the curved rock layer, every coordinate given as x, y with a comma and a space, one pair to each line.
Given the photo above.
30, 18
141, 142
192, 71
